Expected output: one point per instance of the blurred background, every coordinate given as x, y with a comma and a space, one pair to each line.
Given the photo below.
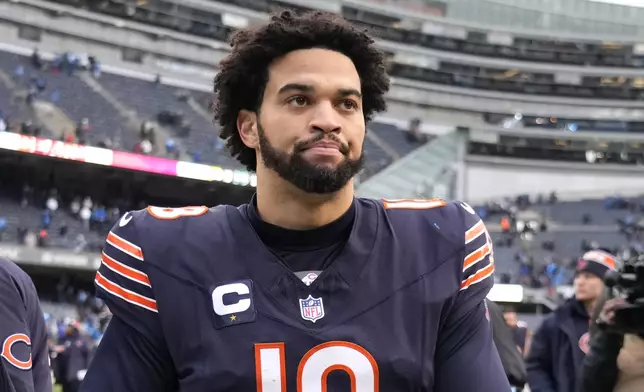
530, 110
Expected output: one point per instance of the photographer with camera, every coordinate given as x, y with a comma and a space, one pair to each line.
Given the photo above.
616, 358
561, 342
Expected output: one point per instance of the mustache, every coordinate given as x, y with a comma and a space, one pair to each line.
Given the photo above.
303, 145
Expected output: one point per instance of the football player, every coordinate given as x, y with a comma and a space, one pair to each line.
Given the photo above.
306, 288
24, 355
5, 382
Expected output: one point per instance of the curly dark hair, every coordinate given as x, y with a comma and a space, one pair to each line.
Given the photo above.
243, 74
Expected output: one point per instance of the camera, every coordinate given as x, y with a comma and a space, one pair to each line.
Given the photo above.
627, 283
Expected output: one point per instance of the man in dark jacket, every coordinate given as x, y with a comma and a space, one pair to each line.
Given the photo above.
74, 359
521, 333
599, 370
560, 344
509, 352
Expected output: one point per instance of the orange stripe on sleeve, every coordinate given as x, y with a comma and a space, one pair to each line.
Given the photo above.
125, 271
475, 231
124, 294
477, 256
479, 276
124, 246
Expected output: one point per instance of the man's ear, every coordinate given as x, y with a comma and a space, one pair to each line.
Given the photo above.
247, 128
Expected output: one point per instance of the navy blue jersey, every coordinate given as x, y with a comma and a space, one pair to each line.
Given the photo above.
23, 334
201, 304
5, 381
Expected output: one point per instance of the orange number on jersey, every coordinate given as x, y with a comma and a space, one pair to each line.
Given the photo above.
412, 204
176, 213
315, 367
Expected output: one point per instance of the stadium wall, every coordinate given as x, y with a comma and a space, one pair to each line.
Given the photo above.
488, 178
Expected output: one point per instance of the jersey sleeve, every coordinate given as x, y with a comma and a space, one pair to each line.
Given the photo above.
478, 260
5, 380
132, 355
23, 333
466, 358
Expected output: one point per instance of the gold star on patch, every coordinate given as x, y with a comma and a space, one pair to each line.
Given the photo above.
233, 318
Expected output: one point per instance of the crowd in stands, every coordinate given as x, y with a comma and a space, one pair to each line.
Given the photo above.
76, 223
158, 119
539, 240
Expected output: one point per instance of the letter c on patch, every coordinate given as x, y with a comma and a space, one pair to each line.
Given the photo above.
7, 346
240, 306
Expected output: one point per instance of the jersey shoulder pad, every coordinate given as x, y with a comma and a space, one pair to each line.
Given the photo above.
163, 228
14, 278
10, 271
150, 220
455, 222
122, 279
132, 249
445, 218
429, 227
180, 241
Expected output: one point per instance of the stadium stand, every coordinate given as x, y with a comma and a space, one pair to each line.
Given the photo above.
183, 113
448, 72
534, 236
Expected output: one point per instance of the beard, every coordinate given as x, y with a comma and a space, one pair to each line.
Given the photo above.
308, 177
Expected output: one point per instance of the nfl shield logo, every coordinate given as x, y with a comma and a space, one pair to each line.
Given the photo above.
311, 309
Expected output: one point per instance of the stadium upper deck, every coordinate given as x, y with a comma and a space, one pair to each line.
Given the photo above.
188, 123
435, 63
116, 108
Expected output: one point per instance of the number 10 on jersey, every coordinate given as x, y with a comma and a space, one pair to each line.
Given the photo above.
315, 366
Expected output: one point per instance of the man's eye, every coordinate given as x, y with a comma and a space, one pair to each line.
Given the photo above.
348, 104
298, 101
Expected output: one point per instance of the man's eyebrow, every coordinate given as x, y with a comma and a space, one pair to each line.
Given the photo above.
304, 88
345, 92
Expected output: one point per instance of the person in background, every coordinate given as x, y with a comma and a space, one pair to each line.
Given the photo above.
504, 341
520, 332
23, 335
74, 358
561, 342
615, 362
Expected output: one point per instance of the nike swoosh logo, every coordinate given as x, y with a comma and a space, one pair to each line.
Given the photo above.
467, 208
125, 219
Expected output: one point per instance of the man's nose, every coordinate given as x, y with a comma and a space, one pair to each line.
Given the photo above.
325, 118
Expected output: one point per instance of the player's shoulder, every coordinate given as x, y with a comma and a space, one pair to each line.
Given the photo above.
167, 216
449, 218
10, 272
161, 236
14, 281
159, 222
